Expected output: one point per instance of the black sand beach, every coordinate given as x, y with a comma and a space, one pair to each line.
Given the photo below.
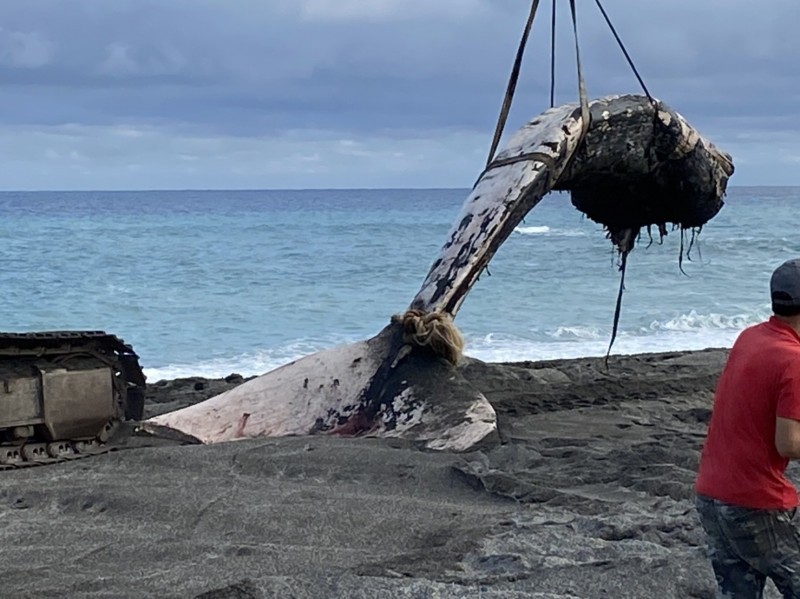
588, 494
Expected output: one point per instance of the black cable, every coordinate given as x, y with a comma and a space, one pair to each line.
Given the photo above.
585, 116
618, 308
512, 84
624, 51
553, 57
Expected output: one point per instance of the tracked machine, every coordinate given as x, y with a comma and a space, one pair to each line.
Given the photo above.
64, 395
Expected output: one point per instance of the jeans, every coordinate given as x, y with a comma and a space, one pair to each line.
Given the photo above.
748, 545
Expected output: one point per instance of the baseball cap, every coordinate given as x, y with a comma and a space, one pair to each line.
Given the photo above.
784, 285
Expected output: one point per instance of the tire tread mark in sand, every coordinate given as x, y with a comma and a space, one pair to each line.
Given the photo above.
235, 468
244, 589
91, 552
202, 511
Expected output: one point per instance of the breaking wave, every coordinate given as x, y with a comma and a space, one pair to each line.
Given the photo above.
577, 333
246, 364
689, 331
693, 321
533, 230
545, 230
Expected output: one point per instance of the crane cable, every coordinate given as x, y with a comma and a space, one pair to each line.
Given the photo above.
584, 107
624, 51
512, 84
514, 77
581, 84
553, 56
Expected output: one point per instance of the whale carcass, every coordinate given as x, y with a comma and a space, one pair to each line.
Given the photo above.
635, 163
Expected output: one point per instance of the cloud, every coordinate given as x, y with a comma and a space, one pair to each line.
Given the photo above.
117, 157
385, 10
122, 60
409, 73
25, 50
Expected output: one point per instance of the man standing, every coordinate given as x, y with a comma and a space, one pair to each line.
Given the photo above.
745, 502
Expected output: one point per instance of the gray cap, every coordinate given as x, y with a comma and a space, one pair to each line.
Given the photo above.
784, 285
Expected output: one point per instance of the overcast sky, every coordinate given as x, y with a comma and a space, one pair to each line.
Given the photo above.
157, 94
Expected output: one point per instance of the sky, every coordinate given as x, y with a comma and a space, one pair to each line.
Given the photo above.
279, 94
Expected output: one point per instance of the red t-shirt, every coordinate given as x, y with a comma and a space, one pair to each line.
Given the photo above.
761, 380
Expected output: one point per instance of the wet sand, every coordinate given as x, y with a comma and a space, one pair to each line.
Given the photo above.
589, 494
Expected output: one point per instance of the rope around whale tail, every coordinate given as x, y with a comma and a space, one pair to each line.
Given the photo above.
434, 331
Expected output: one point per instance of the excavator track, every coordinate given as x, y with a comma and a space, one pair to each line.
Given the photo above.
46, 458
64, 395
28, 455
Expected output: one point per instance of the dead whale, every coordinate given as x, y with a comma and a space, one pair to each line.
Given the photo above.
636, 163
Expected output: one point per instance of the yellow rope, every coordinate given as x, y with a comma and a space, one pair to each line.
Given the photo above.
434, 330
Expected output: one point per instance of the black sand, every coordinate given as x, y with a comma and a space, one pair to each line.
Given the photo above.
589, 495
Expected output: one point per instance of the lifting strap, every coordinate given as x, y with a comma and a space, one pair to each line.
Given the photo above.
515, 70
512, 84
624, 51
581, 85
514, 77
553, 56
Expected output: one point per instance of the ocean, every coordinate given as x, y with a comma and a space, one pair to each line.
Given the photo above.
209, 283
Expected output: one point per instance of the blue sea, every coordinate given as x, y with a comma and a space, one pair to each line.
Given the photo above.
213, 282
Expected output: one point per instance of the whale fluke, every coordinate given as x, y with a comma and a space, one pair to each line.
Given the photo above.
638, 163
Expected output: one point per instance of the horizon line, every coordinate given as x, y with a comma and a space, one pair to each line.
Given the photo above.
261, 189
